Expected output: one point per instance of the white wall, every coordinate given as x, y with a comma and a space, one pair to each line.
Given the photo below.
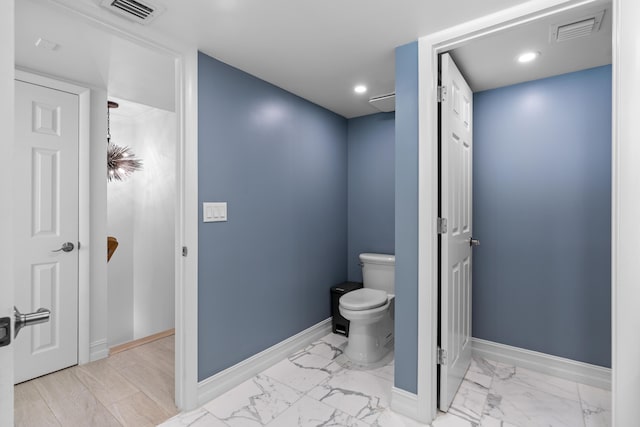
120, 214
154, 224
141, 216
98, 223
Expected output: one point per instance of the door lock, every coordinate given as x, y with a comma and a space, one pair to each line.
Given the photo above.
474, 242
5, 331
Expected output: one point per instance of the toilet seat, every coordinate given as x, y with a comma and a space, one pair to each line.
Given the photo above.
363, 299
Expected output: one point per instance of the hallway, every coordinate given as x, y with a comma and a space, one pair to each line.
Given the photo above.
131, 388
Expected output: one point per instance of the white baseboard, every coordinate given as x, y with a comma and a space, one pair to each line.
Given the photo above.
584, 373
98, 350
404, 403
221, 382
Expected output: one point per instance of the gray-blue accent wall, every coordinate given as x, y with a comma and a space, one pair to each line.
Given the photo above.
542, 211
281, 164
371, 190
406, 229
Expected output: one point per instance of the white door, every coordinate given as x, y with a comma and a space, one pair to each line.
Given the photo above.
456, 152
6, 253
45, 209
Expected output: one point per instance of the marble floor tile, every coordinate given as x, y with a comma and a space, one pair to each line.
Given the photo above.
208, 420
480, 372
596, 406
385, 368
308, 412
255, 402
357, 393
449, 420
386, 371
524, 406
198, 418
328, 347
469, 401
489, 421
538, 381
320, 386
595, 396
184, 419
336, 340
504, 371
388, 418
483, 366
302, 371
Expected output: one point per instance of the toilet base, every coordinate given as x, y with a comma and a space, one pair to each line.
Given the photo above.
368, 343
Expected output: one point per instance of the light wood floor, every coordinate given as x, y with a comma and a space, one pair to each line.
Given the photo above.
131, 388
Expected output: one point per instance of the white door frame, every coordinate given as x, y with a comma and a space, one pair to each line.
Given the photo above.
626, 388
186, 224
84, 200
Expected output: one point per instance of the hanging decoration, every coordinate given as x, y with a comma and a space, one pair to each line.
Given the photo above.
121, 161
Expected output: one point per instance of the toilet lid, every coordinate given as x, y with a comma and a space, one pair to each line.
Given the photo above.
363, 299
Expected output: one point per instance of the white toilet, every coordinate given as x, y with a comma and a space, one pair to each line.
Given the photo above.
370, 310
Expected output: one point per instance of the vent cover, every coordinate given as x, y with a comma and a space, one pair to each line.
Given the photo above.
582, 27
384, 103
138, 11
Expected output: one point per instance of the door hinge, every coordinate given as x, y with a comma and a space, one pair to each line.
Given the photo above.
442, 356
442, 93
442, 225
185, 251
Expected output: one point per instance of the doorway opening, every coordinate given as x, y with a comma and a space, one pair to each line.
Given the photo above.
140, 72
551, 183
141, 216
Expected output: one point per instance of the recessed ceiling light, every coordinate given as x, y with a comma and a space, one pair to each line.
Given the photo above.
360, 89
528, 56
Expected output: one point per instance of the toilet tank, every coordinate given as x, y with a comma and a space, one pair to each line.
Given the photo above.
378, 272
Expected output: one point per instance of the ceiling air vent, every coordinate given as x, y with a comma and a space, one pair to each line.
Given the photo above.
141, 12
384, 103
582, 27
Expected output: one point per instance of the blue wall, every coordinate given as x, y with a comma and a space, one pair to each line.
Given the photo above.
371, 190
281, 164
406, 229
542, 203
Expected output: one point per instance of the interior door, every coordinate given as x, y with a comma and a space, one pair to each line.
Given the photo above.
456, 151
45, 228
6, 253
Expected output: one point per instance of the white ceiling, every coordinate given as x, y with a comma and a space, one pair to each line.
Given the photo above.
490, 62
318, 50
89, 56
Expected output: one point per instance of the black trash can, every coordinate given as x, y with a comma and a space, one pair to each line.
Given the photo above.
339, 323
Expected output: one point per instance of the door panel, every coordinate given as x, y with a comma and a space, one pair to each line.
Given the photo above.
456, 206
7, 65
45, 217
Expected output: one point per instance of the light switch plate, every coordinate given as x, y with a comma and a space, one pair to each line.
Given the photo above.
214, 211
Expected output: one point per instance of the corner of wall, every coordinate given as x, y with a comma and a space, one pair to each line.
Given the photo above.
98, 216
406, 217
